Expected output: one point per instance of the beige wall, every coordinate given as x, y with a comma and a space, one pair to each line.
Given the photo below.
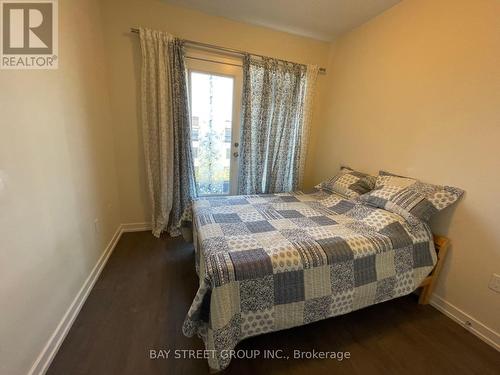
57, 175
416, 91
124, 60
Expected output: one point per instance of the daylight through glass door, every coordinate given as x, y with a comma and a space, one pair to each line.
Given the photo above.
211, 131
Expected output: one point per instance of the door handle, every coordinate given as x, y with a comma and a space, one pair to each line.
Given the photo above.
235, 154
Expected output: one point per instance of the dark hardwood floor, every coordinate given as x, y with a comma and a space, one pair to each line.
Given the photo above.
142, 296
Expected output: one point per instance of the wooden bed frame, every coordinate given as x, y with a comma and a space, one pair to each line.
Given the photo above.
441, 244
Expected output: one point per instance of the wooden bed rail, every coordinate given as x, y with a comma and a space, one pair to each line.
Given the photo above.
441, 245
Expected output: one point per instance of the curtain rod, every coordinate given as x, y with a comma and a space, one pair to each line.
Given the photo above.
224, 49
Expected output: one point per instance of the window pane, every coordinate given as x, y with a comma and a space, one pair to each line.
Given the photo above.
212, 108
227, 135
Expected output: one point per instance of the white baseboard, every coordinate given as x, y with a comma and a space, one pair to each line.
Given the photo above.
48, 353
485, 333
136, 227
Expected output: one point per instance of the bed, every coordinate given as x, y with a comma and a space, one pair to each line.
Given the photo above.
272, 262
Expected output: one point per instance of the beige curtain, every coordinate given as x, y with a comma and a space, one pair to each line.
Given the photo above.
166, 129
310, 91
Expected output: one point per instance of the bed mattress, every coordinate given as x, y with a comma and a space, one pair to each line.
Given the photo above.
272, 262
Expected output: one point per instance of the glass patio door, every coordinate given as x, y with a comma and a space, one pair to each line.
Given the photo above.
215, 98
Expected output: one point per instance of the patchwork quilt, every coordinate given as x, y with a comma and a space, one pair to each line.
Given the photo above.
271, 262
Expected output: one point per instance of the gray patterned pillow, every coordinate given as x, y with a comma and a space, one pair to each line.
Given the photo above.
410, 198
348, 183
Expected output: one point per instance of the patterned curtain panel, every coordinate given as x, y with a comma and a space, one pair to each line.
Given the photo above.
310, 90
166, 129
272, 129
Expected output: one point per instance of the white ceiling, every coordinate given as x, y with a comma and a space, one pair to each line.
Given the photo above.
318, 19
